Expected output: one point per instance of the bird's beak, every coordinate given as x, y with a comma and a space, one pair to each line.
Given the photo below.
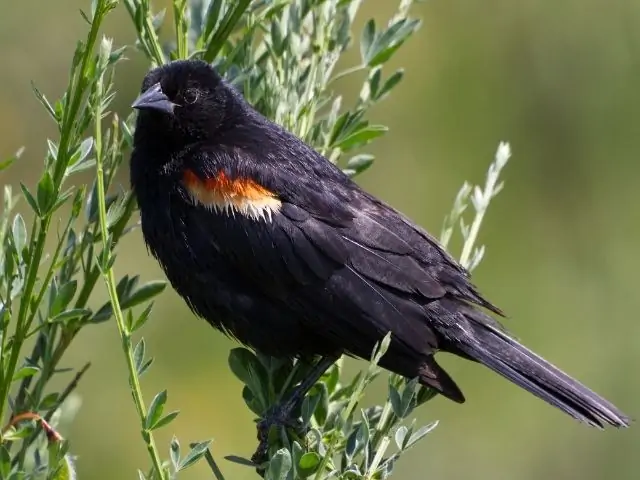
154, 99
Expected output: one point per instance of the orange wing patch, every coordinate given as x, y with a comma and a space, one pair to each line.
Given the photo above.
231, 196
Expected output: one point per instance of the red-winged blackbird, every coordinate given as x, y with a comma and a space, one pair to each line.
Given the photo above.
272, 244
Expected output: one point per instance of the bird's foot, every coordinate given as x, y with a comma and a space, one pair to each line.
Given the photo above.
280, 416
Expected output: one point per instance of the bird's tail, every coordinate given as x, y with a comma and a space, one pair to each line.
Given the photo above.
492, 347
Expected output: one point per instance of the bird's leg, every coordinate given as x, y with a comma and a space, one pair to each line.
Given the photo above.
281, 414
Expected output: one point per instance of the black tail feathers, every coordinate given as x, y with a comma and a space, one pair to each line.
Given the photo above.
505, 356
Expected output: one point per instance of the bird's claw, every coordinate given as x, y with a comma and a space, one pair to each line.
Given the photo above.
279, 418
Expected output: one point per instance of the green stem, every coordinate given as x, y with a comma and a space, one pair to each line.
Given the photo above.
347, 72
21, 328
77, 94
233, 16
109, 277
147, 36
217, 473
182, 31
70, 113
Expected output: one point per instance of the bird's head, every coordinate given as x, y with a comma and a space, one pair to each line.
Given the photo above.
183, 102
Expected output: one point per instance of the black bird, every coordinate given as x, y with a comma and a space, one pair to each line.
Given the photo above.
272, 244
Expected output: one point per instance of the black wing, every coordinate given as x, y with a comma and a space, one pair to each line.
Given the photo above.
350, 268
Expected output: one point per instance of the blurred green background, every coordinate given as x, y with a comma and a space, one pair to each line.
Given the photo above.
559, 80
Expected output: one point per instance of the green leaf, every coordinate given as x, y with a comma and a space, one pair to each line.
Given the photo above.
396, 400
49, 401
81, 166
425, 394
26, 371
29, 198
196, 453
212, 15
52, 149
332, 378
362, 136
155, 410
7, 162
126, 132
62, 198
67, 470
339, 127
309, 463
309, 406
421, 433
142, 318
391, 40
145, 366
322, 411
168, 418
63, 298
19, 233
279, 466
389, 84
43, 100
240, 461
252, 401
359, 163
246, 367
400, 436
224, 28
69, 315
366, 40
116, 210
45, 193
296, 456
408, 394
126, 285
144, 293
374, 83
82, 152
357, 440
277, 41
138, 354
5, 461
174, 453
103, 314
24, 431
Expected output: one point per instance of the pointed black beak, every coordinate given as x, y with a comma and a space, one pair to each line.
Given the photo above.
154, 99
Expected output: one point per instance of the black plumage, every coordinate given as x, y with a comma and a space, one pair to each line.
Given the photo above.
324, 268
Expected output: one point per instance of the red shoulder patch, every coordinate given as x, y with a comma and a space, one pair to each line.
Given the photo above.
232, 195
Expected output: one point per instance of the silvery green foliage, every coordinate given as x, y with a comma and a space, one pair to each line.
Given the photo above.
44, 295
480, 198
284, 56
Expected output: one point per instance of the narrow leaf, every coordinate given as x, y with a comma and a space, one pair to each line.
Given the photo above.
168, 418
144, 293
196, 453
155, 410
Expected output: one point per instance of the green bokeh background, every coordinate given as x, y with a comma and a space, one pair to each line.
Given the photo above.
559, 80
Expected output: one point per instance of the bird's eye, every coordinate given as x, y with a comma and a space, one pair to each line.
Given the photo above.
191, 95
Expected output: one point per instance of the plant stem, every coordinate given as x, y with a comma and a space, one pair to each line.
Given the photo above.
471, 239
182, 33
482, 198
75, 94
21, 328
151, 44
109, 278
